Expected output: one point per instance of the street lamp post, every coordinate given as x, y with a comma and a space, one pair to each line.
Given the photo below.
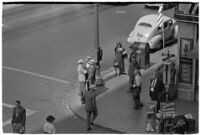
99, 80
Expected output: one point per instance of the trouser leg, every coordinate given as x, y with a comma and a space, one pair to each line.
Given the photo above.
82, 91
88, 118
137, 102
94, 116
158, 106
82, 88
136, 97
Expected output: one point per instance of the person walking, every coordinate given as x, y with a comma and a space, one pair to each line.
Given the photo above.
49, 127
18, 118
137, 87
82, 79
90, 106
132, 65
91, 72
156, 88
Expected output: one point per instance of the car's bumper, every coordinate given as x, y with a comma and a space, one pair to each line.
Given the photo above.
151, 6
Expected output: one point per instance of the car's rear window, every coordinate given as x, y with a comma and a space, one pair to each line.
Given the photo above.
144, 24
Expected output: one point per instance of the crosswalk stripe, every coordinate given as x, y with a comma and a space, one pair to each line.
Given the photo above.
36, 74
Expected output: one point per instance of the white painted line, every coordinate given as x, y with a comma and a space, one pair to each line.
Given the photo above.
121, 11
36, 74
28, 113
12, 106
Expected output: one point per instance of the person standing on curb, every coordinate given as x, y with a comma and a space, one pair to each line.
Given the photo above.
82, 79
91, 72
86, 65
18, 118
119, 57
156, 88
49, 127
137, 87
116, 67
133, 64
90, 106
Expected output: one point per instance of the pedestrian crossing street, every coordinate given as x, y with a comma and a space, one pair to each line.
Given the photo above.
29, 112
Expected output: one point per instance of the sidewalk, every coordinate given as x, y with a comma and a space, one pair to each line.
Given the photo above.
115, 106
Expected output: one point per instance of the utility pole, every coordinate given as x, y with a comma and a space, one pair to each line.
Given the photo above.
99, 80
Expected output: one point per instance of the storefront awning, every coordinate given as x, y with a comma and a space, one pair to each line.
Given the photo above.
195, 52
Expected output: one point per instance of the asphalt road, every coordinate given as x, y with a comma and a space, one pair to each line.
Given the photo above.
39, 59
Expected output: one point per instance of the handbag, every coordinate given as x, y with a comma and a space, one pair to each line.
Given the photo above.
116, 64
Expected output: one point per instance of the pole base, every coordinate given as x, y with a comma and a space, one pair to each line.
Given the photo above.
99, 81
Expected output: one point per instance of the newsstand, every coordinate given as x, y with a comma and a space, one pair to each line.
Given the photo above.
167, 121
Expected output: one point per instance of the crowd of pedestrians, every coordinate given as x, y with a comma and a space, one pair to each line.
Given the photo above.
86, 69
86, 76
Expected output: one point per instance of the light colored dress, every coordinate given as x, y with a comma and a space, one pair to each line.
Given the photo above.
49, 128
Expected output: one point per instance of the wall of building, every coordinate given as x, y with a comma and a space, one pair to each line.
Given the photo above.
185, 90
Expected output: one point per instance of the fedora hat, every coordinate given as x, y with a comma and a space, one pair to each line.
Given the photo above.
50, 118
88, 57
80, 61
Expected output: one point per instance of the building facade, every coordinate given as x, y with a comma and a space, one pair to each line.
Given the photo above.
187, 17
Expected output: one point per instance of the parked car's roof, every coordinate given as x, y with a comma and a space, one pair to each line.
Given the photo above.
152, 19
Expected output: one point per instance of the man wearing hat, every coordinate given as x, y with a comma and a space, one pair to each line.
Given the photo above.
133, 64
86, 65
91, 72
49, 127
90, 105
157, 87
81, 78
87, 62
137, 87
119, 58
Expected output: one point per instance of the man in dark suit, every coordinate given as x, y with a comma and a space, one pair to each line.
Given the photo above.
90, 105
156, 88
132, 65
18, 118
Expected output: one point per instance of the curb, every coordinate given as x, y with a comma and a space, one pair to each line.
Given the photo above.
108, 76
97, 125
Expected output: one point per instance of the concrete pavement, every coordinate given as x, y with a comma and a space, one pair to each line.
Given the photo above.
115, 106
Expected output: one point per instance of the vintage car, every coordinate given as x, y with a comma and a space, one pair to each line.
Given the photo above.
147, 31
156, 5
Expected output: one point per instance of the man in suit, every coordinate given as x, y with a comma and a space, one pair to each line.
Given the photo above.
156, 88
82, 79
92, 72
18, 118
119, 57
90, 105
133, 64
137, 87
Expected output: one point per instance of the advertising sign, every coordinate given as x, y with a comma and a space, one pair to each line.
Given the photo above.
185, 66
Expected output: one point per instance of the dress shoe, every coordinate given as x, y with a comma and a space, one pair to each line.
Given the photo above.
141, 105
88, 129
